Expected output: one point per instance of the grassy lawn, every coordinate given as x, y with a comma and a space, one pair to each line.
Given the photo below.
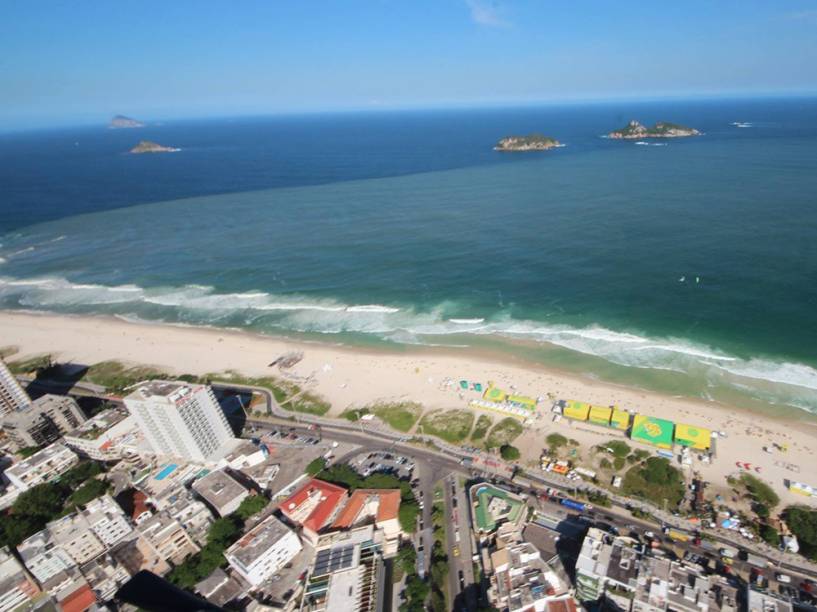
398, 415
484, 423
655, 480
504, 432
449, 425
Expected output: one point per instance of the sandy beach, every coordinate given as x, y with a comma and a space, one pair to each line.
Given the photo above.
355, 377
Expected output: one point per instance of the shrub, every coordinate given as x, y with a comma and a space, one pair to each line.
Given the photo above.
761, 492
508, 452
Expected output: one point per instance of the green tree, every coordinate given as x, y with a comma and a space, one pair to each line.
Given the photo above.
223, 531
803, 523
315, 466
251, 505
508, 452
407, 558
770, 535
90, 490
26, 452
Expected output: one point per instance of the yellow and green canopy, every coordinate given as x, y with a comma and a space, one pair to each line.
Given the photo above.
600, 415
620, 419
699, 438
576, 410
652, 430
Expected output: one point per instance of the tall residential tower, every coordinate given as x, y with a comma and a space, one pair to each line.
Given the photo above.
12, 396
179, 419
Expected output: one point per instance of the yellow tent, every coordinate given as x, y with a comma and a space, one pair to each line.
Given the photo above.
620, 419
600, 415
521, 400
494, 394
576, 410
699, 438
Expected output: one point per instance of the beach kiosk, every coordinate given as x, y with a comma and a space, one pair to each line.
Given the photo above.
652, 430
620, 419
578, 411
600, 415
698, 438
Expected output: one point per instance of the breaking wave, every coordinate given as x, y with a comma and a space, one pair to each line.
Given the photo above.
790, 383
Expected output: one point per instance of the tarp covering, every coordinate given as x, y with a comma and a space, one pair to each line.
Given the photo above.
652, 430
521, 400
494, 394
576, 410
620, 419
600, 415
695, 437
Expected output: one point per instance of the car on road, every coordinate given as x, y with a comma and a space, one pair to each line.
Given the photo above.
456, 551
784, 578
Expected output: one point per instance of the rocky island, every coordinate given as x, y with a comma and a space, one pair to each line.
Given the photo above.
531, 142
635, 131
148, 146
120, 122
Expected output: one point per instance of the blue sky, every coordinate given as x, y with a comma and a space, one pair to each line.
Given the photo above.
63, 62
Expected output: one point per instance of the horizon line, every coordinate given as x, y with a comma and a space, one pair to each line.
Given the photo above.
98, 119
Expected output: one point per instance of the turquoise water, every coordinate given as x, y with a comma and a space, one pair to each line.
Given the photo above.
166, 471
689, 268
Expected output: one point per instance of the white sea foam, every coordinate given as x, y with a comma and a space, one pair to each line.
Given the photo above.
200, 304
372, 308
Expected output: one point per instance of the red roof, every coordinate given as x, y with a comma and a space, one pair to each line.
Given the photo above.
79, 601
387, 507
139, 504
313, 504
562, 605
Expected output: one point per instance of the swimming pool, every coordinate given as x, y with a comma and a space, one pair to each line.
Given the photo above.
166, 471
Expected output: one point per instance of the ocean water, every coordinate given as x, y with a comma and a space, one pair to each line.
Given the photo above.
685, 266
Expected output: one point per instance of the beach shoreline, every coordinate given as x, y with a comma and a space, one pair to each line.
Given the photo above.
356, 376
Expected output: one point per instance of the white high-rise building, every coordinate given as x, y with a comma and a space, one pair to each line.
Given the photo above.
12, 396
180, 420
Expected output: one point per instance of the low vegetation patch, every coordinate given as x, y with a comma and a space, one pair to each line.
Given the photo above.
655, 480
398, 415
449, 425
761, 492
504, 432
287, 394
617, 448
484, 423
555, 441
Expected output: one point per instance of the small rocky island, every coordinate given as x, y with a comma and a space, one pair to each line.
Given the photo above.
121, 122
148, 146
531, 142
635, 131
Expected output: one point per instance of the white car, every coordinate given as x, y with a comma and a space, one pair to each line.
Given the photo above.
783, 578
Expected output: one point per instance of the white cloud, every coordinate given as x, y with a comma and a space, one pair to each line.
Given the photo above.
487, 13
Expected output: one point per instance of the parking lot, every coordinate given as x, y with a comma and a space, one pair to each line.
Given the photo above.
384, 462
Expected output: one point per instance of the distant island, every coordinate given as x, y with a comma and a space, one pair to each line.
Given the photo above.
635, 131
531, 142
120, 122
148, 146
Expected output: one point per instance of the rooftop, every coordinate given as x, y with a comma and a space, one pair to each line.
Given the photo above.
47, 454
255, 543
379, 504
166, 390
219, 488
313, 504
98, 425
